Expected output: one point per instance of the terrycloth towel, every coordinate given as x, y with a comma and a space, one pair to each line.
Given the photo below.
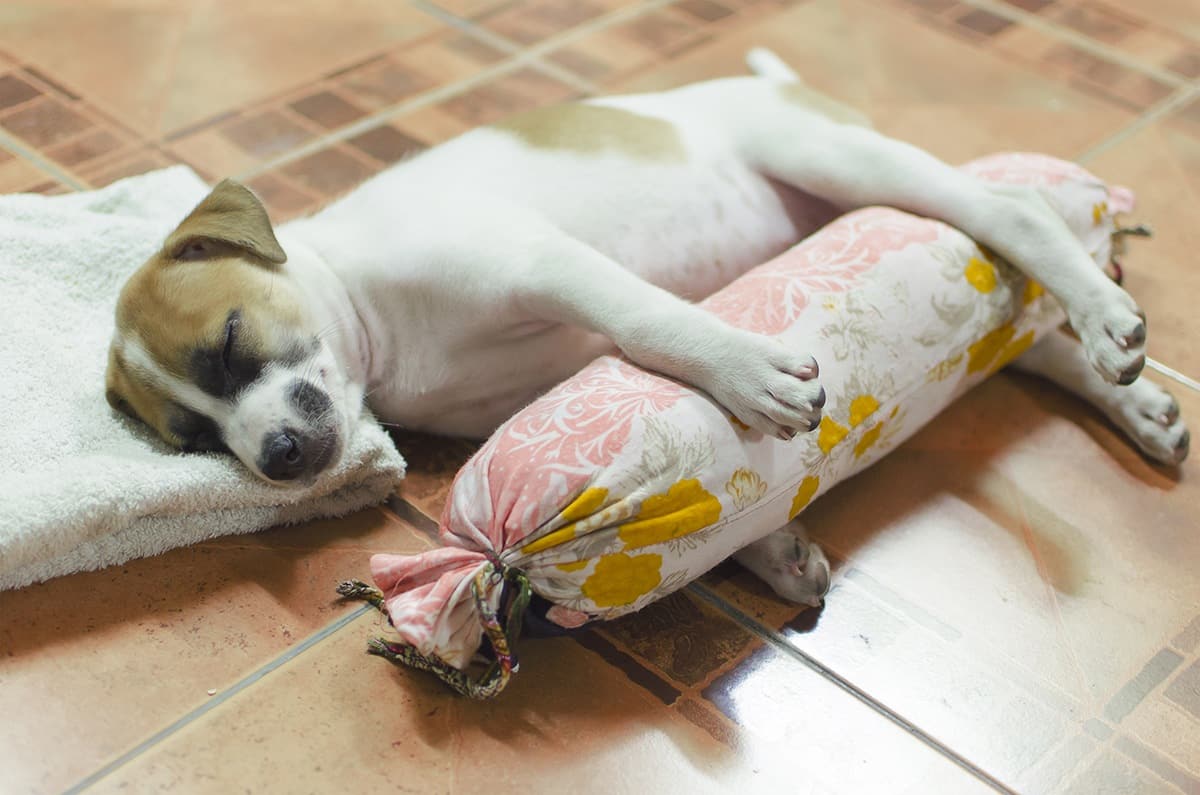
82, 487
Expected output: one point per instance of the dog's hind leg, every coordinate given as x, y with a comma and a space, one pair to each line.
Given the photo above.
793, 566
1146, 412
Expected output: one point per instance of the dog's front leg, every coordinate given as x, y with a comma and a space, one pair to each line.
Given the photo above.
855, 167
760, 381
1146, 412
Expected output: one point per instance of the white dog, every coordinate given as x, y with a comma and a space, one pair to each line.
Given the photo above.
455, 287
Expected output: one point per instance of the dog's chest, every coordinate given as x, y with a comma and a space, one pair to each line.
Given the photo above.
468, 384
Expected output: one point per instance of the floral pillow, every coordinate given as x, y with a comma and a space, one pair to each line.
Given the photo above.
620, 486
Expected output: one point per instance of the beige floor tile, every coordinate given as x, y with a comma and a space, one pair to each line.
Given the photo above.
213, 153
161, 66
432, 465
94, 663
1179, 16
1162, 165
796, 721
1112, 773
569, 722
469, 8
1007, 574
335, 715
18, 175
430, 124
1172, 731
916, 83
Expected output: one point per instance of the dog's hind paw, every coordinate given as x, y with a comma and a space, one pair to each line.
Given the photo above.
1150, 416
794, 567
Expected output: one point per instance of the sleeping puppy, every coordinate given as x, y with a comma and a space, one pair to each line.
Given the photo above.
450, 290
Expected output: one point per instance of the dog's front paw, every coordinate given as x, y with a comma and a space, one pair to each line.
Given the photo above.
765, 385
1150, 415
1113, 332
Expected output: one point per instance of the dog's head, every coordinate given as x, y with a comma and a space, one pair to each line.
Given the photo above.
215, 348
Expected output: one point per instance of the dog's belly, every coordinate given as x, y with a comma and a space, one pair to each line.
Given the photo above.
690, 229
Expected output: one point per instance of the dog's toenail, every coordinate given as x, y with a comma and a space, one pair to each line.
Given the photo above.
1136, 337
1184, 442
822, 580
813, 425
820, 401
1130, 375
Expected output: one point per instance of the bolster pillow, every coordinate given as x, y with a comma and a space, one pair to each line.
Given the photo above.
620, 486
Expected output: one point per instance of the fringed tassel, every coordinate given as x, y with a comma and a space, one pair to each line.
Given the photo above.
500, 636
357, 589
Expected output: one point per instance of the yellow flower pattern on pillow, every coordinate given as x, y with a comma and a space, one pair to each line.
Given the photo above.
622, 579
745, 487
685, 508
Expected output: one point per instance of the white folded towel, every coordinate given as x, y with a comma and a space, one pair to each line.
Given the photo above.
82, 487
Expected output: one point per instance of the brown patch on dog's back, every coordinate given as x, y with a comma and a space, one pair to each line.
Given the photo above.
589, 128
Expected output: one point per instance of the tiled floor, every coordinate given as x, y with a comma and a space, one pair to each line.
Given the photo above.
1016, 602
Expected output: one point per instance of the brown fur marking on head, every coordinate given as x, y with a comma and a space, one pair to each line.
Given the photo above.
219, 260
230, 216
135, 397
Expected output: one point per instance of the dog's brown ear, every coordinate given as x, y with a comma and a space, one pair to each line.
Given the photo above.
231, 217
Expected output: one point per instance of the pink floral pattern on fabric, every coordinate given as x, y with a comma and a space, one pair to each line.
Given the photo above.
770, 298
421, 591
556, 444
1028, 169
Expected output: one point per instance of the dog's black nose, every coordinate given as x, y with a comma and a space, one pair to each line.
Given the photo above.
283, 455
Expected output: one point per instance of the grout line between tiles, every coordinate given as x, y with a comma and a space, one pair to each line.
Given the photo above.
381, 118
1173, 374
831, 676
217, 700
1173, 102
18, 147
529, 56
1074, 37
503, 43
410, 513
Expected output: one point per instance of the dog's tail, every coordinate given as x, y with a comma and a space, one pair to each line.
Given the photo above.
765, 63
